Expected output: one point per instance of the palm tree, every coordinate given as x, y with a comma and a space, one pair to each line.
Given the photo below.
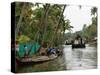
57, 27
94, 11
20, 18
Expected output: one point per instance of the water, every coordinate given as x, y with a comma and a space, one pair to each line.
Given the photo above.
77, 59
57, 64
72, 59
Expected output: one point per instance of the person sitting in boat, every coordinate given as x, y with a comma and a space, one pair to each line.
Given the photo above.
17, 47
80, 40
42, 50
83, 42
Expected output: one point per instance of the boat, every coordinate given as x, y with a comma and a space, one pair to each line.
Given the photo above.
68, 42
37, 59
78, 43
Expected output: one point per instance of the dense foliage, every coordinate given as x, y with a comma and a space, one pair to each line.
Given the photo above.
41, 22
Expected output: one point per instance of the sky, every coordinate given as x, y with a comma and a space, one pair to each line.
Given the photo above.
78, 17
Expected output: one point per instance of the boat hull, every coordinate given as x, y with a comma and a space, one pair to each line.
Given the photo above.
78, 46
68, 43
39, 59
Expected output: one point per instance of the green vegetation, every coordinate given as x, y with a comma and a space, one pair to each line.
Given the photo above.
46, 22
41, 22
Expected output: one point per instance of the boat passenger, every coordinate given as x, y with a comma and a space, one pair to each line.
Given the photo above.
42, 50
76, 42
17, 47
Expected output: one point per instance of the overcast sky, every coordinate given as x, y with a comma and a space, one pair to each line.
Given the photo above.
78, 17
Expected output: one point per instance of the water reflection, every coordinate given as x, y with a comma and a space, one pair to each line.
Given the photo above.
85, 58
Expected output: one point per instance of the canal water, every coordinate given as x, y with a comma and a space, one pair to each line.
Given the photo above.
72, 59
79, 59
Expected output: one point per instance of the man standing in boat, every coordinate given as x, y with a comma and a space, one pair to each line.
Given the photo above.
79, 39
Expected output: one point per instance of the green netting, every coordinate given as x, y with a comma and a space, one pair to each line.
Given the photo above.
33, 47
21, 50
28, 45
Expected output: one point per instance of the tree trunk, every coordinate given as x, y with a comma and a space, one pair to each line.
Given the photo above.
20, 19
45, 20
56, 30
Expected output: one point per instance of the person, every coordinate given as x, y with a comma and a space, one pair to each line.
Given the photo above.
17, 47
42, 50
76, 42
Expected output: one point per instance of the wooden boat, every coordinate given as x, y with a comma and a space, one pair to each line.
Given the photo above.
68, 42
78, 43
37, 59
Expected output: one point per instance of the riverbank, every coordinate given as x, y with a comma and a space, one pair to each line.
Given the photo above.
93, 44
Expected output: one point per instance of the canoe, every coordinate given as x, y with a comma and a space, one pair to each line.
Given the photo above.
78, 46
35, 59
68, 43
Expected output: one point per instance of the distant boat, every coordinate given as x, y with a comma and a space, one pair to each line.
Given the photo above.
67, 42
78, 43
